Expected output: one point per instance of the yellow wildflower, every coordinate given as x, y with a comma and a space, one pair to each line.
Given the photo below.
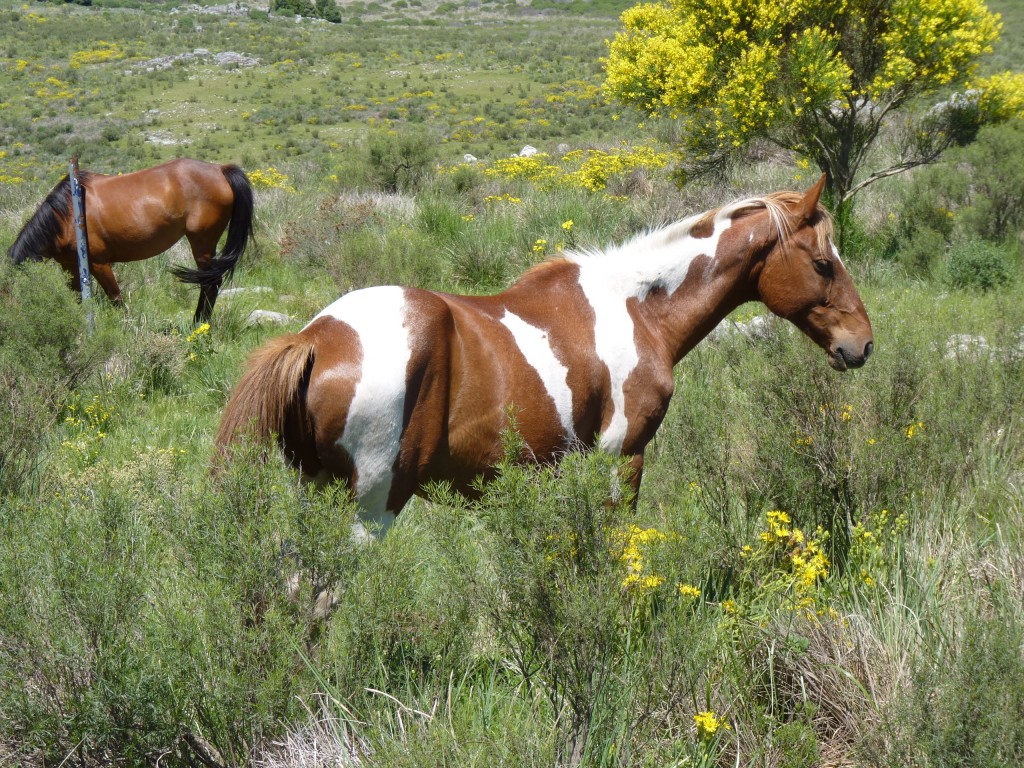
708, 724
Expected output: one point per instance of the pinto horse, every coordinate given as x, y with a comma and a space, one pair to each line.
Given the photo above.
142, 214
392, 388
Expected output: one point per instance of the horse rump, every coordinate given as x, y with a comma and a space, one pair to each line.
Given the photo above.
240, 232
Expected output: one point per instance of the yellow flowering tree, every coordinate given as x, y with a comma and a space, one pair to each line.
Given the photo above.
819, 77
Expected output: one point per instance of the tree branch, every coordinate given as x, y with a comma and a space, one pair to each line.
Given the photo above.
892, 170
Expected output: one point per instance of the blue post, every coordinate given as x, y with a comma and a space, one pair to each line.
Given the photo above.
81, 237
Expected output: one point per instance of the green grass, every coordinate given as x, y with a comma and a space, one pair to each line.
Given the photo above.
153, 614
315, 90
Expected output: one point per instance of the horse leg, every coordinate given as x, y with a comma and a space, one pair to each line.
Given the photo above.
632, 473
204, 252
104, 275
207, 298
372, 524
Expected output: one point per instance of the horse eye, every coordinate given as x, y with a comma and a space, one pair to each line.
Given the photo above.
824, 268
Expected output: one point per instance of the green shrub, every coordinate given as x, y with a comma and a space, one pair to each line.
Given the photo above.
994, 208
78, 670
924, 249
551, 585
401, 159
979, 265
44, 354
964, 707
978, 193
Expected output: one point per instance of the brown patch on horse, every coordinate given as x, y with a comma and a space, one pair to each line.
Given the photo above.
333, 378
539, 269
703, 227
570, 328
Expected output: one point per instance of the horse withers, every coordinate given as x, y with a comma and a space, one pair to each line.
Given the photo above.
393, 388
139, 215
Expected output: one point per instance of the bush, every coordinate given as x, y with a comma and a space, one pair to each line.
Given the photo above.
963, 708
924, 249
551, 584
44, 354
980, 265
401, 159
978, 194
995, 205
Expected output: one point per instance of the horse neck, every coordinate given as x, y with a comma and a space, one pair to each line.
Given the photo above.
683, 280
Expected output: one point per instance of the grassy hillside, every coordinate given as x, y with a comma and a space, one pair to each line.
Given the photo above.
824, 569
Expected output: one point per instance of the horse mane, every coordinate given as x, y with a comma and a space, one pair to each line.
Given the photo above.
47, 224
775, 204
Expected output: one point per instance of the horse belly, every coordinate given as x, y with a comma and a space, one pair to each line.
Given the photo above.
509, 375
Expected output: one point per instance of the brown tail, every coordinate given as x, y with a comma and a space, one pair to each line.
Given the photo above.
267, 401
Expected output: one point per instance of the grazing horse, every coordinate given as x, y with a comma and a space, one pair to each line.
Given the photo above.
391, 388
142, 214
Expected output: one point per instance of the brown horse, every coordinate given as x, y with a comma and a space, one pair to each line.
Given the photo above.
392, 388
142, 214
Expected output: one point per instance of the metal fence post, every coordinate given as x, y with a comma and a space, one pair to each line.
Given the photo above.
81, 237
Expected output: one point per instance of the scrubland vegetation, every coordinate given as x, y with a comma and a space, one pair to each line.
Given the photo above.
824, 569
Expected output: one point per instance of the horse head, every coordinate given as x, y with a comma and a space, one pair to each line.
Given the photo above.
803, 280
42, 234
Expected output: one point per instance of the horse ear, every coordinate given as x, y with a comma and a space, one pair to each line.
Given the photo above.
808, 206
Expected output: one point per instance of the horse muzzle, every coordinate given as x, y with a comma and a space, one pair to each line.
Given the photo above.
849, 355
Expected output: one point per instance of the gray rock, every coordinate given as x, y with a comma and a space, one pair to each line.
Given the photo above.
261, 316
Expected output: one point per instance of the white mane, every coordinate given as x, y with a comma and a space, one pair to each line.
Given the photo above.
662, 258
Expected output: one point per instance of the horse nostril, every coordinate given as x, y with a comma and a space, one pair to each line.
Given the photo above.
868, 349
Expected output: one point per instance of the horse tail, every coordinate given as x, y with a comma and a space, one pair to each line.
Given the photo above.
42, 231
268, 400
240, 232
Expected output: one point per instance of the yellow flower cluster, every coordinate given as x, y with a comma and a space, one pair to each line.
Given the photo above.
15, 169
1002, 95
89, 424
913, 429
636, 541
731, 69
708, 724
200, 330
199, 342
590, 169
934, 41
54, 89
688, 590
534, 168
105, 52
270, 178
503, 198
802, 556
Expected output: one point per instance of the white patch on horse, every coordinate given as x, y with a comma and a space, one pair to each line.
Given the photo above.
373, 430
613, 343
658, 260
536, 348
370, 527
835, 251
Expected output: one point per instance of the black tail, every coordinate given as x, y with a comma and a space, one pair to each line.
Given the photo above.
41, 232
240, 232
